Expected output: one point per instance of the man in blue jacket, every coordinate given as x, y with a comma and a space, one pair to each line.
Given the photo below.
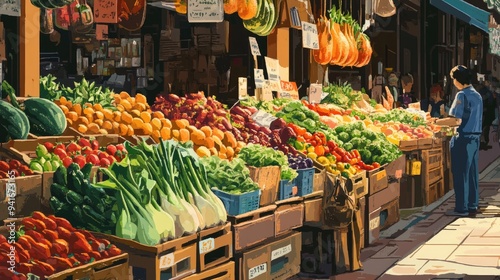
467, 110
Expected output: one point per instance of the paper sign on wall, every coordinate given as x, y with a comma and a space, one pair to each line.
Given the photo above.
106, 11
310, 38
258, 75
272, 67
315, 92
254, 46
205, 11
242, 88
288, 90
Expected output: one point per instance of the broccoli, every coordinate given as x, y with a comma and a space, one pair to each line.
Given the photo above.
344, 137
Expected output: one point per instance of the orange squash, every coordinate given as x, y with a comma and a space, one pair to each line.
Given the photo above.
247, 9
324, 54
230, 6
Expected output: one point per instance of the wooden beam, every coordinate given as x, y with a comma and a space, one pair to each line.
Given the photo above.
29, 50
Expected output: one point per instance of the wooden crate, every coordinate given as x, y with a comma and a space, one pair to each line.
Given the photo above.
288, 215
278, 259
253, 227
389, 214
381, 198
431, 159
377, 180
319, 180
215, 246
313, 206
222, 272
425, 143
20, 196
268, 179
411, 192
173, 259
432, 176
408, 145
116, 267
433, 192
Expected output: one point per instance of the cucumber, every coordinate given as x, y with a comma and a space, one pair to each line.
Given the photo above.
95, 218
73, 198
59, 191
61, 176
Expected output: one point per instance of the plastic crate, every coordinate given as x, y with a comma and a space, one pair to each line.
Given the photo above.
237, 204
287, 189
305, 181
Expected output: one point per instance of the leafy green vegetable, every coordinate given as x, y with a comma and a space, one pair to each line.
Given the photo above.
288, 173
259, 156
399, 115
229, 176
342, 95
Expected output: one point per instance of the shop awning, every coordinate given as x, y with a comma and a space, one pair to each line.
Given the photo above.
465, 12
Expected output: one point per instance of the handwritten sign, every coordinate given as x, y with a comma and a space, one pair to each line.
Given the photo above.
242, 88
272, 67
207, 245
258, 75
254, 46
101, 32
315, 92
494, 35
263, 118
288, 90
205, 11
10, 8
257, 270
274, 85
167, 261
283, 251
374, 223
106, 11
267, 93
310, 38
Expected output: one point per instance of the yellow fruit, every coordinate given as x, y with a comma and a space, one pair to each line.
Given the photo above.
123, 129
126, 117
99, 122
146, 117
156, 124
139, 106
156, 135
88, 111
82, 128
117, 98
135, 113
137, 123
83, 120
116, 127
94, 128
166, 123
77, 108
90, 117
124, 95
108, 114
107, 125
73, 116
120, 107
64, 109
139, 98
130, 130
63, 100
175, 134
117, 116
147, 128
158, 114
98, 107
126, 104
99, 115
165, 133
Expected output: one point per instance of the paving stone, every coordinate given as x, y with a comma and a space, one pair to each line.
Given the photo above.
434, 252
385, 252
412, 235
477, 251
354, 276
494, 231
404, 248
378, 266
450, 236
403, 277
482, 241
476, 261
403, 270
444, 267
438, 225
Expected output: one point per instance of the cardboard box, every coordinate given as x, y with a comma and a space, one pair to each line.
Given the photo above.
372, 227
172, 259
362, 212
313, 206
278, 260
222, 272
268, 179
252, 228
289, 215
215, 246
389, 214
111, 268
381, 198
319, 180
26, 192
293, 12
377, 180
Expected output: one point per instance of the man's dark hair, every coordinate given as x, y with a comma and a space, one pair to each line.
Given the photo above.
462, 74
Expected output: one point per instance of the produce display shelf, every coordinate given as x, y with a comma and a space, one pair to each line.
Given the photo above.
215, 247
289, 215
252, 228
116, 267
173, 259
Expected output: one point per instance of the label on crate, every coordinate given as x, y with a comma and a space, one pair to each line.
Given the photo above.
167, 261
263, 118
381, 175
257, 270
278, 253
399, 173
374, 223
207, 245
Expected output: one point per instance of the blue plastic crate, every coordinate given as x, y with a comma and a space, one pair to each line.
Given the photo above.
287, 189
237, 204
305, 181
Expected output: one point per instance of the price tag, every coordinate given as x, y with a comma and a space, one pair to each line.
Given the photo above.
267, 94
272, 67
257, 270
205, 11
207, 245
398, 174
323, 95
288, 90
242, 88
106, 11
254, 46
374, 223
315, 92
258, 75
101, 32
381, 175
278, 253
167, 261
310, 38
263, 118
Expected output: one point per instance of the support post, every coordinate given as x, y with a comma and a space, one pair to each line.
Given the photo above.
29, 50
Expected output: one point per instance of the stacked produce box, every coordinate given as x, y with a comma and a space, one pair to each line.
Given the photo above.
191, 189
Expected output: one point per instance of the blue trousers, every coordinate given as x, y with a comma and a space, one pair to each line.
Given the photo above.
464, 167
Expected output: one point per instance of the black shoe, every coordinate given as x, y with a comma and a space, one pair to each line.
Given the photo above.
474, 210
